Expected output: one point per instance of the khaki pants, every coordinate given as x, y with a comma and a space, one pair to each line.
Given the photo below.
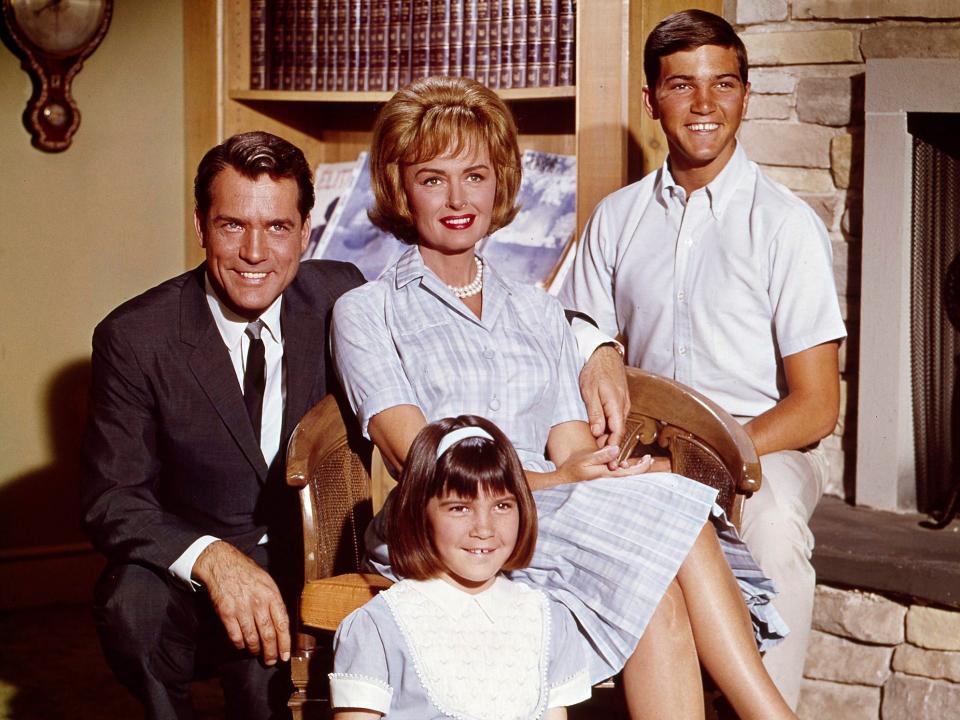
774, 527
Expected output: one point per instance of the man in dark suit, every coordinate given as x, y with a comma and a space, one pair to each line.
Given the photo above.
197, 385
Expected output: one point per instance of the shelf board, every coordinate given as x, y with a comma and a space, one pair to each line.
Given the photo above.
544, 93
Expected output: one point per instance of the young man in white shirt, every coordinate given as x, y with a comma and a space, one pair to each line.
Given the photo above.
722, 279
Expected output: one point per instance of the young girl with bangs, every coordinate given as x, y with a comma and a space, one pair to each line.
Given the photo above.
456, 638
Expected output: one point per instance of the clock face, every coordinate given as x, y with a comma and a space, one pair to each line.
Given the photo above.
59, 27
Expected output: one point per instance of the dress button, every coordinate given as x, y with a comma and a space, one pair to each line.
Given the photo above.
489, 353
681, 296
494, 404
682, 349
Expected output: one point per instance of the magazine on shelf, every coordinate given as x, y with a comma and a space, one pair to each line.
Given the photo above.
330, 182
351, 236
530, 249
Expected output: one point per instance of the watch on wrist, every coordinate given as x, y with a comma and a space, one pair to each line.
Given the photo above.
615, 345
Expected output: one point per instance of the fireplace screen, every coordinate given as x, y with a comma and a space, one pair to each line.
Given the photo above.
935, 306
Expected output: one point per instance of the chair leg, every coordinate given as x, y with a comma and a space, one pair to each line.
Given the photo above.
300, 674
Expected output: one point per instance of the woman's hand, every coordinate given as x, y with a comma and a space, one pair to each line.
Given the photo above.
572, 449
590, 464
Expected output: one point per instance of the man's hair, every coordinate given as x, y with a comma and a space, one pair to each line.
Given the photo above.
252, 154
430, 118
467, 468
688, 30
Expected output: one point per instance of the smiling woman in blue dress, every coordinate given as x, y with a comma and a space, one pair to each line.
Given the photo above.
631, 554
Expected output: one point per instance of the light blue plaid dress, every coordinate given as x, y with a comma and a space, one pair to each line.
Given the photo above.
607, 549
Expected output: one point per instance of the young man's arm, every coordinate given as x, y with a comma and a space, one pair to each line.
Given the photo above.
589, 287
809, 411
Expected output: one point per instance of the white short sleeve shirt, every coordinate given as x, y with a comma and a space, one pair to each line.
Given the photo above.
714, 289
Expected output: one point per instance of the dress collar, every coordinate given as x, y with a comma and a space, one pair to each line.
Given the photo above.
410, 267
232, 326
719, 191
493, 601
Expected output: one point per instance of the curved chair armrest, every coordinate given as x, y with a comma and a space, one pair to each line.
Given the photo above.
318, 432
674, 405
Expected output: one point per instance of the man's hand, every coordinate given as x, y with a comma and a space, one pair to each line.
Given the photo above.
247, 601
603, 385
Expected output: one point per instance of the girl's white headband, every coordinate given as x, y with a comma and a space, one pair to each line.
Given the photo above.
455, 436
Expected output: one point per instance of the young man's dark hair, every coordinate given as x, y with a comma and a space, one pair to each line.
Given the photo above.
688, 30
252, 154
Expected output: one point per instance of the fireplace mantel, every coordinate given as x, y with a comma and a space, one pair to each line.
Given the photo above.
885, 475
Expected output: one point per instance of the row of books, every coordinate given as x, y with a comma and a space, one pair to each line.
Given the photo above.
381, 45
534, 248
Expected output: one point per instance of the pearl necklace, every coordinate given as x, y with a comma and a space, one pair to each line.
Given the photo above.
474, 287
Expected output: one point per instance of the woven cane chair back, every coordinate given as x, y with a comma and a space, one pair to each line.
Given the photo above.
331, 468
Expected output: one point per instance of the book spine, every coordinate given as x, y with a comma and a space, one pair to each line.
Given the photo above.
258, 44
406, 43
360, 43
548, 45
420, 39
468, 62
333, 49
323, 57
278, 14
534, 42
396, 50
455, 54
299, 51
493, 32
506, 43
439, 55
566, 39
343, 49
309, 52
518, 51
290, 45
379, 25
482, 53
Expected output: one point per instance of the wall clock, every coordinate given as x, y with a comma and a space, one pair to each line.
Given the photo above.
53, 38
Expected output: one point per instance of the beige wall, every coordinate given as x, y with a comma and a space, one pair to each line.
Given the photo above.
82, 231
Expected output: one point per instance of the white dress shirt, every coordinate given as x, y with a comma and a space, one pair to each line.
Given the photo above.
232, 329
711, 290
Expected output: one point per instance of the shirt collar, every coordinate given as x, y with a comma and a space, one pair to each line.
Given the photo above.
232, 326
719, 191
493, 601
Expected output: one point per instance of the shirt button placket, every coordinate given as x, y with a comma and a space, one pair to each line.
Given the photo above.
489, 353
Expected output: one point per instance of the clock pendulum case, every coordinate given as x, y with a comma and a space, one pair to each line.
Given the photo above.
52, 39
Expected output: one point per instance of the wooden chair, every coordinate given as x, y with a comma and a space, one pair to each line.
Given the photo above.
330, 463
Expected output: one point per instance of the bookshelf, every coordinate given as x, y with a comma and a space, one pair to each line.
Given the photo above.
600, 119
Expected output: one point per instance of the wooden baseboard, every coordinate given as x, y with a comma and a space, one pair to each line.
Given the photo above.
48, 575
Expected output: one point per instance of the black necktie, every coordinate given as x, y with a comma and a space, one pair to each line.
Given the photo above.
255, 376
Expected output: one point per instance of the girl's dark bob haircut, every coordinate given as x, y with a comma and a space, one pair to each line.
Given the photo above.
436, 117
467, 468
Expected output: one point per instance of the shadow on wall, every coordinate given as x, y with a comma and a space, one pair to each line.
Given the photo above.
851, 228
41, 508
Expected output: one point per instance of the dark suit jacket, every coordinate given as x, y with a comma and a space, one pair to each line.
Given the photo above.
170, 454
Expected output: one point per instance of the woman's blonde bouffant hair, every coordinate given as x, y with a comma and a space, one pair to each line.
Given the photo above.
434, 117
